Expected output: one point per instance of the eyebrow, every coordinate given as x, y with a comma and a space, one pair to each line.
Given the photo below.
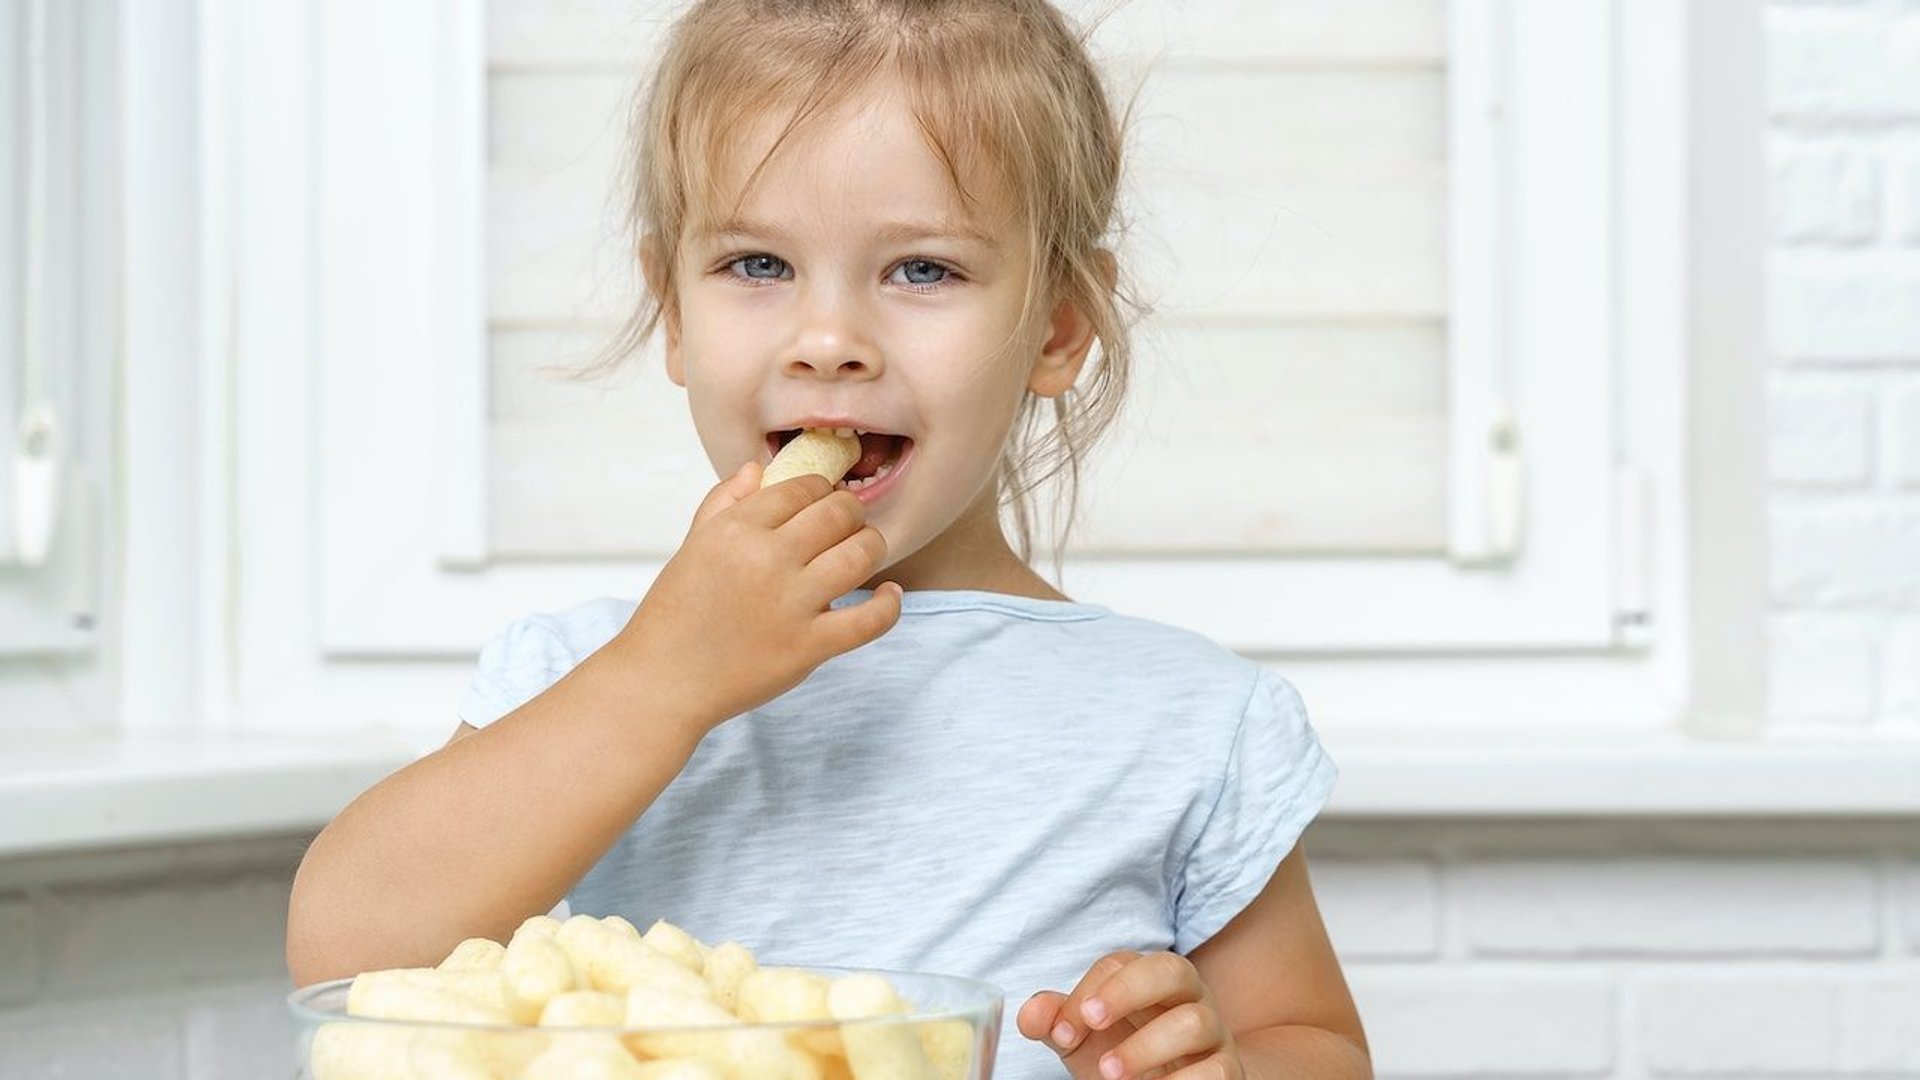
893, 232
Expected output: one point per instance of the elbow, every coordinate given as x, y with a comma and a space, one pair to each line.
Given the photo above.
313, 955
303, 971
1360, 1061
314, 945
306, 954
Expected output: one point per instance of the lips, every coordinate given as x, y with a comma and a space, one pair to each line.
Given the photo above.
883, 456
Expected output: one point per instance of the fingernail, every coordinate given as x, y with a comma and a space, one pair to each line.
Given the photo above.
1063, 1034
1110, 1067
1095, 1011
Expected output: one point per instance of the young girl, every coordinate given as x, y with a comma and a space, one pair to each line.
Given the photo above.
848, 724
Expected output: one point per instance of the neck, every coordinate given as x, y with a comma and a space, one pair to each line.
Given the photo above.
973, 553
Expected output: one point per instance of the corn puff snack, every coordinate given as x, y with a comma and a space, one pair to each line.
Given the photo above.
726, 968
788, 995
551, 1004
820, 451
475, 954
584, 1008
892, 1051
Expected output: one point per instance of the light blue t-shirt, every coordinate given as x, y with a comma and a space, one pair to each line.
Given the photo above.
999, 787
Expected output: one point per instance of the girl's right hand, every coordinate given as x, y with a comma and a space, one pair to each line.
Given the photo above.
739, 615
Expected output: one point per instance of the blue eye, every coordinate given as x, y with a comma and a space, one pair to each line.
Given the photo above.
921, 272
760, 267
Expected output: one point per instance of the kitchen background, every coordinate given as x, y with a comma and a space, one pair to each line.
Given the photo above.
1577, 344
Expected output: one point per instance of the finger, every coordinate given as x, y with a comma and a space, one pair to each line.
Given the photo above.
1036, 1017
847, 628
848, 563
1162, 978
817, 528
1071, 1027
744, 482
1186, 1030
771, 507
1214, 1066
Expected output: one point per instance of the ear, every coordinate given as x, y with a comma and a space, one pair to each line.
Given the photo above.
669, 309
1070, 335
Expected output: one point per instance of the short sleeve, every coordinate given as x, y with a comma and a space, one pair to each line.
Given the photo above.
514, 667
1277, 779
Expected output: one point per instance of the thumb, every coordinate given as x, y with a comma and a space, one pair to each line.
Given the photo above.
1036, 1021
1037, 1017
850, 627
744, 482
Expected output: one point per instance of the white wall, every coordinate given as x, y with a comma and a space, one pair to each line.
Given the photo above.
1654, 949
156, 965
1845, 374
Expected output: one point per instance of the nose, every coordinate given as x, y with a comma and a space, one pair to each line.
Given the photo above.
830, 345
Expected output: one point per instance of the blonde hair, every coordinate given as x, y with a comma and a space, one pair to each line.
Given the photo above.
1003, 83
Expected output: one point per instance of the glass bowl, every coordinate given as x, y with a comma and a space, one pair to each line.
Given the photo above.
952, 1035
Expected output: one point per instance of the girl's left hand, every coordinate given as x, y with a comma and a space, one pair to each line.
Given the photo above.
1135, 1016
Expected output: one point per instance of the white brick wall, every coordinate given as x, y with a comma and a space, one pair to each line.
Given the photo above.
1906, 901
1902, 440
1825, 669
19, 950
1821, 429
1844, 63
1445, 1022
1905, 196
1631, 950
164, 964
1380, 910
1844, 385
1780, 1023
1657, 907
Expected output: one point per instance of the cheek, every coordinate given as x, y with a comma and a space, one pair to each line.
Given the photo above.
721, 400
717, 363
975, 424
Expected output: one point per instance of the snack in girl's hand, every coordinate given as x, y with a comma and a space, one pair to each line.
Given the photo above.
827, 452
659, 1006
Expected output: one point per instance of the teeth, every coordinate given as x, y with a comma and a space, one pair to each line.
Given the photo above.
843, 432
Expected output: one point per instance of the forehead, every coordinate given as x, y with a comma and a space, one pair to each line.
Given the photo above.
863, 162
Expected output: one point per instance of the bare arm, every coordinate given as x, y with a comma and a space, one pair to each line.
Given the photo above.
1279, 987
493, 827
1260, 1000
498, 824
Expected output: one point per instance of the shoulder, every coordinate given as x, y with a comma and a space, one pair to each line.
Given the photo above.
1233, 712
574, 633
1151, 679
533, 651
1173, 661
1138, 675
562, 637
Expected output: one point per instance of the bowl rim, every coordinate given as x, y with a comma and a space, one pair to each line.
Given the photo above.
992, 1004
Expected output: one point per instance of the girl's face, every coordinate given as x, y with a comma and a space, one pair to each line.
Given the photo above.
854, 289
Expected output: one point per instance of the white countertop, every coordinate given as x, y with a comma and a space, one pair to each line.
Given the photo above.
68, 793
1626, 776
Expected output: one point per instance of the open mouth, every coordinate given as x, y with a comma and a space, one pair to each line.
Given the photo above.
880, 453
